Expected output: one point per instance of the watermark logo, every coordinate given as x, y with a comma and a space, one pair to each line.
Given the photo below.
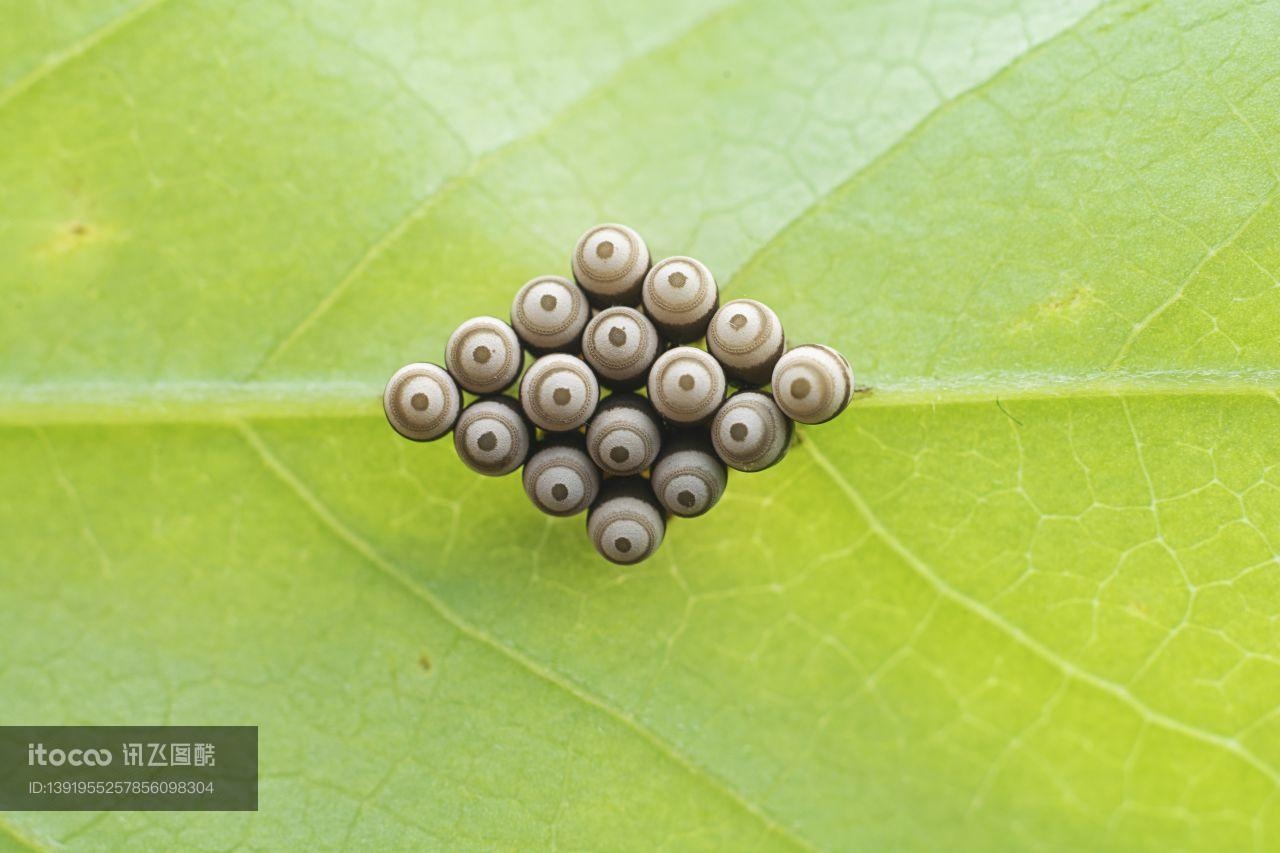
39, 756
128, 768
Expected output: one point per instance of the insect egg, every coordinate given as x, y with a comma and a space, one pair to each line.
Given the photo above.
686, 386
492, 436
559, 392
626, 524
747, 338
688, 478
624, 437
813, 383
421, 401
680, 296
750, 432
610, 262
620, 344
549, 314
560, 478
484, 355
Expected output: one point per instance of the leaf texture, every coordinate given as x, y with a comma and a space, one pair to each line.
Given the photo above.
1023, 595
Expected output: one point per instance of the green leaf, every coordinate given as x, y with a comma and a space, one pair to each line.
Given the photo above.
1022, 595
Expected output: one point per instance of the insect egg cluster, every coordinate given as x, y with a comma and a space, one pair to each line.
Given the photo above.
619, 413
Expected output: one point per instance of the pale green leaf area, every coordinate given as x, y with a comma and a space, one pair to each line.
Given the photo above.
1024, 595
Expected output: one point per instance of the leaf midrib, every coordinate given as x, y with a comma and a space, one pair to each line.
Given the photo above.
220, 402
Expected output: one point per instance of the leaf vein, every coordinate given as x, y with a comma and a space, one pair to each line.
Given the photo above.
882, 160
214, 402
420, 591
1180, 291
58, 60
1021, 637
423, 206
26, 842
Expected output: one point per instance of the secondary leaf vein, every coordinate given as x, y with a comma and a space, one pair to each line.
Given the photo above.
1016, 633
362, 547
60, 59
424, 205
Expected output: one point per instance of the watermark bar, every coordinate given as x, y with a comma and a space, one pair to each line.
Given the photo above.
128, 768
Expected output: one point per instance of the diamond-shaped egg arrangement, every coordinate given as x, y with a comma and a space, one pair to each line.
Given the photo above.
619, 414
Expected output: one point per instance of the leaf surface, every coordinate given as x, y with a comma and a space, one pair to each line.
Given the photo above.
1023, 595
